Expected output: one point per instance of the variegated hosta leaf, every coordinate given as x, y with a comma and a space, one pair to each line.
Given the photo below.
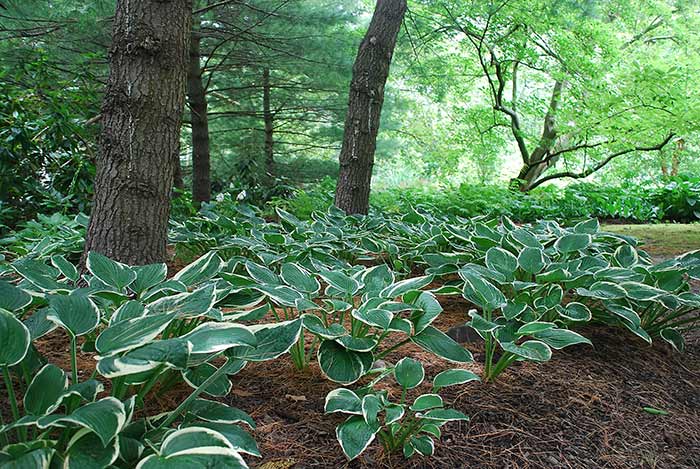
341, 365
85, 450
344, 285
560, 338
343, 400
45, 391
196, 376
40, 275
435, 341
409, 373
240, 439
299, 278
481, 292
404, 286
273, 340
218, 412
171, 353
13, 298
426, 402
213, 337
105, 418
194, 447
131, 333
75, 313
529, 350
113, 273
573, 242
453, 377
201, 270
148, 276
355, 435
185, 305
14, 337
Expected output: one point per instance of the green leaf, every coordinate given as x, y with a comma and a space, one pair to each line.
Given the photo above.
429, 310
240, 440
185, 305
357, 344
376, 279
339, 364
45, 391
86, 451
281, 294
423, 444
532, 260
105, 418
530, 350
371, 406
654, 411
273, 340
130, 309
375, 317
572, 242
131, 333
435, 341
148, 276
66, 268
13, 298
481, 292
343, 400
299, 278
262, 274
534, 327
218, 412
38, 323
40, 274
590, 226
443, 415
315, 325
603, 291
426, 402
113, 273
354, 436
404, 286
409, 373
626, 256
75, 313
560, 338
348, 286
502, 261
215, 337
173, 353
453, 377
197, 375
574, 311
201, 270
673, 337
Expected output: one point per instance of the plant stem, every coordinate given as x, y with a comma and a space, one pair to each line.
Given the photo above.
21, 432
74, 359
391, 349
186, 403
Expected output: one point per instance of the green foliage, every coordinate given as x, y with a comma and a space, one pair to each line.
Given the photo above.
410, 428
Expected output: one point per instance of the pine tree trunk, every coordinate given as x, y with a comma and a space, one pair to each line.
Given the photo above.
141, 119
267, 116
201, 164
369, 75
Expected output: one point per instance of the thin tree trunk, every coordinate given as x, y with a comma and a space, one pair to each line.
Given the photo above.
178, 182
141, 119
201, 164
268, 117
539, 160
369, 75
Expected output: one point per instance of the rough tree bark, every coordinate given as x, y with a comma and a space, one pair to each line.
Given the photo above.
269, 121
369, 75
140, 139
196, 97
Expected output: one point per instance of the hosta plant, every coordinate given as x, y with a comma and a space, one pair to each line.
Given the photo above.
410, 427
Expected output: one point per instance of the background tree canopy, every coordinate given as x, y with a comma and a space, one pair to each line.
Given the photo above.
502, 93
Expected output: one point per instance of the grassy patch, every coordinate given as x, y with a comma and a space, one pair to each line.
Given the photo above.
663, 239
